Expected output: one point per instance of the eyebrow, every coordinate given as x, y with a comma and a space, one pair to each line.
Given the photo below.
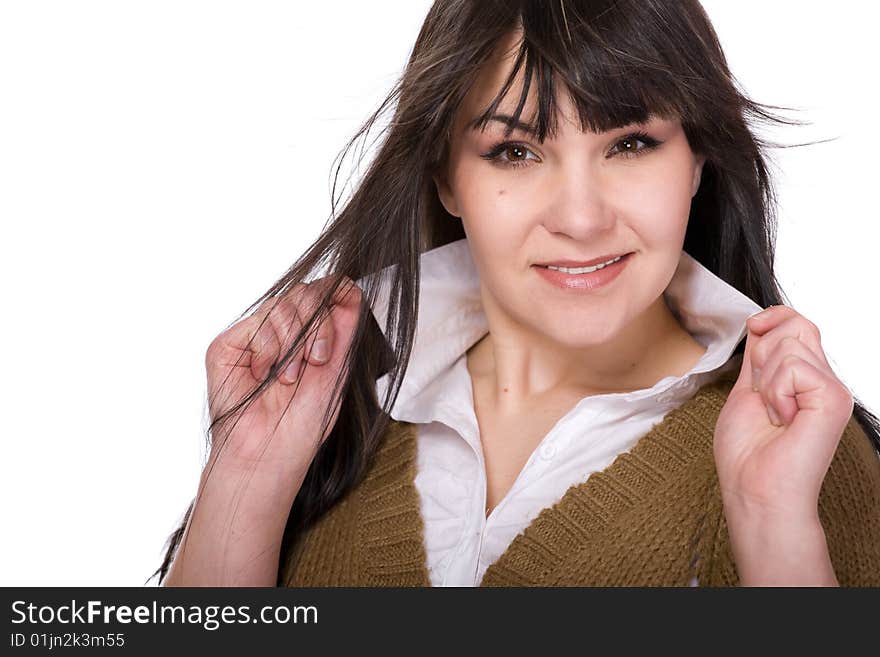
528, 128
507, 120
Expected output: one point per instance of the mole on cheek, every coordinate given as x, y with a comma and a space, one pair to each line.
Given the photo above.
501, 192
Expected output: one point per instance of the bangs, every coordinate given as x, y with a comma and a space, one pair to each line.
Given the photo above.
614, 67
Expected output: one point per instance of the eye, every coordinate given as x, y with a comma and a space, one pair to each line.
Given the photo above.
515, 154
630, 142
508, 148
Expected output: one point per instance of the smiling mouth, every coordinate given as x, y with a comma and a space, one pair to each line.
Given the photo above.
584, 279
569, 267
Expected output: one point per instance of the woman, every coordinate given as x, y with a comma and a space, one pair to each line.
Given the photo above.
529, 140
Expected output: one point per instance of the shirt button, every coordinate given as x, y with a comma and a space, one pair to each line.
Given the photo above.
548, 451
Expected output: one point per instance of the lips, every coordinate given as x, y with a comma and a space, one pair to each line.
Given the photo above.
581, 263
593, 278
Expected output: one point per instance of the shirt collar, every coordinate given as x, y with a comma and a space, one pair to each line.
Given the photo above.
451, 319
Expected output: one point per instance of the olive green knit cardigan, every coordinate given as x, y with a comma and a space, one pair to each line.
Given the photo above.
652, 518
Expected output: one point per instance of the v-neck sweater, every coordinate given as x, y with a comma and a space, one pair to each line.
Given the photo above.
437, 394
654, 517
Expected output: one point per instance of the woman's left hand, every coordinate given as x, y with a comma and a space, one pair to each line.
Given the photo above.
779, 429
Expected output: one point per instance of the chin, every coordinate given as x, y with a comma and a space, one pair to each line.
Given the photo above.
582, 337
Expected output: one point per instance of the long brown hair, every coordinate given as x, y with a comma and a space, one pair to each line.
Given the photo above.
621, 60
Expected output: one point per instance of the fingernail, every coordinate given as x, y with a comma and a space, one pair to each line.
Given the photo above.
773, 417
319, 351
756, 377
761, 315
290, 371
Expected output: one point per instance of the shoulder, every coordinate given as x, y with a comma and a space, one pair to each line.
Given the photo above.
849, 508
855, 460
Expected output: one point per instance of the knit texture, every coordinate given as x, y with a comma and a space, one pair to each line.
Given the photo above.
653, 517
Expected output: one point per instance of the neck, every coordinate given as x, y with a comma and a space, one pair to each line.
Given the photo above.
516, 370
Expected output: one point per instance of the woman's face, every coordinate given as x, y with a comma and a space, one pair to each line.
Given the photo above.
579, 196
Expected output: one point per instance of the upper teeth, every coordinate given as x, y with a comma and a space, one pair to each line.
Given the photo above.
584, 270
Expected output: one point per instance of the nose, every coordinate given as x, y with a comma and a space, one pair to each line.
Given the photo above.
578, 204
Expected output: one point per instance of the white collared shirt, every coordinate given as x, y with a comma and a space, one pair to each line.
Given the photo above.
437, 395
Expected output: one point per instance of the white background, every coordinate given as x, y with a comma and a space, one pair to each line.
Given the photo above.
163, 162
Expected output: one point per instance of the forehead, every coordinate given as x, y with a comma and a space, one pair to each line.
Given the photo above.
607, 100
490, 80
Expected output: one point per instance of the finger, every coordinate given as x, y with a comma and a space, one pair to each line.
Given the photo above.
265, 345
769, 318
744, 380
347, 293
236, 346
789, 324
756, 325
780, 404
823, 406
321, 337
287, 325
775, 316
302, 302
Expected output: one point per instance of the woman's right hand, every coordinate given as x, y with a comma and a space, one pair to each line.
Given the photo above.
235, 364
234, 534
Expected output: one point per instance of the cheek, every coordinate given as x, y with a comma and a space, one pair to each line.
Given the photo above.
486, 190
657, 201
492, 208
